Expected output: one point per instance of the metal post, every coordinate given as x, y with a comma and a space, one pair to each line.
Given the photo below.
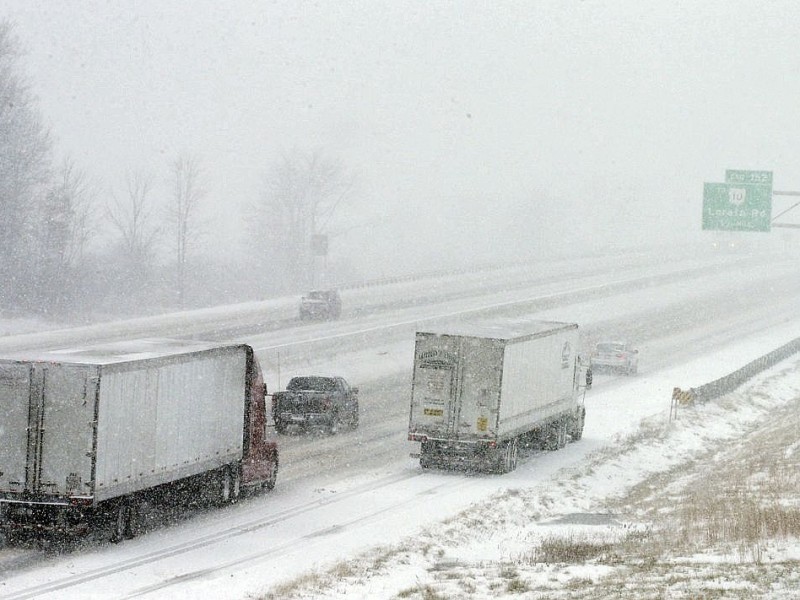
786, 225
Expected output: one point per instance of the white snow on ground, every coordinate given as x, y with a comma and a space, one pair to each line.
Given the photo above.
16, 332
469, 536
461, 555
476, 534
21, 326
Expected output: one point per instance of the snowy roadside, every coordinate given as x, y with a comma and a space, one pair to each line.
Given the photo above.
614, 518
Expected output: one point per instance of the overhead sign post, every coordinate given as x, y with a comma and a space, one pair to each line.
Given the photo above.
319, 248
742, 203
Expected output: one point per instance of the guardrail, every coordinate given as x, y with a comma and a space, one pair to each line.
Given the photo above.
728, 383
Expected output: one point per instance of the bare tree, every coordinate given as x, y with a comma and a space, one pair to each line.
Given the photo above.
65, 226
24, 171
302, 192
132, 217
79, 193
187, 194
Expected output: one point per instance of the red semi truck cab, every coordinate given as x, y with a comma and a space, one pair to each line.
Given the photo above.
260, 456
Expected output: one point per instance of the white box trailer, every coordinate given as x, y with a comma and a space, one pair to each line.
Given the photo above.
482, 389
92, 428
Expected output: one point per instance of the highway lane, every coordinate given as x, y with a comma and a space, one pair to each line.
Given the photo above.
674, 321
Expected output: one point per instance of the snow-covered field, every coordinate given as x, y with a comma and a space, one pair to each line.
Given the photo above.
395, 532
498, 548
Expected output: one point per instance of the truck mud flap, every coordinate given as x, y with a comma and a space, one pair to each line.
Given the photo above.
461, 457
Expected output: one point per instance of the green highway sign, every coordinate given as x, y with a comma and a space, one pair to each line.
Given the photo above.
737, 206
754, 177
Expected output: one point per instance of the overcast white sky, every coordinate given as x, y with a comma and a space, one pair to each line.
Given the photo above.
565, 122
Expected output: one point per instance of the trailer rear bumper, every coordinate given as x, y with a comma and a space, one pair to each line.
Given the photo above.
459, 455
21, 517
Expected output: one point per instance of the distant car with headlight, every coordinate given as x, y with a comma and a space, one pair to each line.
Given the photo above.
615, 356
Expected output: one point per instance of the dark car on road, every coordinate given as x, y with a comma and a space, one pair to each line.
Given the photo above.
321, 304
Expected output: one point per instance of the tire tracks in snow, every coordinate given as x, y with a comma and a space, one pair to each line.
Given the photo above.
246, 527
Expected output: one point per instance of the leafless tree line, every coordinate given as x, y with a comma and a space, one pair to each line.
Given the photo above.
69, 247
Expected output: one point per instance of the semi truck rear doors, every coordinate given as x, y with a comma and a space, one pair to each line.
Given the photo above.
15, 391
48, 429
433, 391
479, 383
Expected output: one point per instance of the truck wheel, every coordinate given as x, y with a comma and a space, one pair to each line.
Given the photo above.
577, 424
236, 479
563, 433
280, 426
354, 419
550, 441
225, 485
510, 456
556, 436
134, 517
272, 478
222, 485
425, 458
229, 485
122, 523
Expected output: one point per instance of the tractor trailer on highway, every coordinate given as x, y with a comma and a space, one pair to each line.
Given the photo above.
89, 433
483, 389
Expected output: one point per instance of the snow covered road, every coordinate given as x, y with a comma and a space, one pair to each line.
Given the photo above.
339, 495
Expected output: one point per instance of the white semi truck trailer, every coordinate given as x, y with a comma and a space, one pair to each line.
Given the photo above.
483, 389
89, 433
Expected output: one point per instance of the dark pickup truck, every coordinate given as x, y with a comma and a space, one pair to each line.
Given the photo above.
316, 402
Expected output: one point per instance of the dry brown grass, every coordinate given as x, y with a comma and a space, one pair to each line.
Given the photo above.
571, 548
741, 500
290, 588
422, 592
736, 502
